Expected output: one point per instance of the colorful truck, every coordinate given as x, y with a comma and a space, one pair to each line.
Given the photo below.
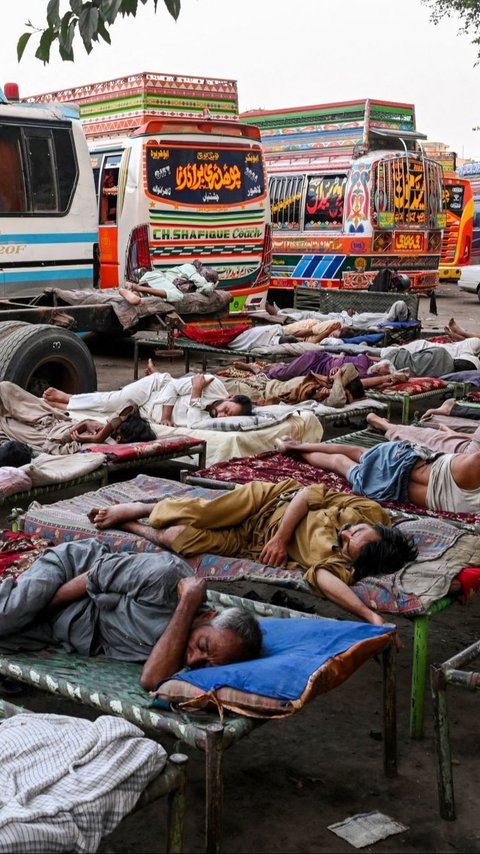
351, 193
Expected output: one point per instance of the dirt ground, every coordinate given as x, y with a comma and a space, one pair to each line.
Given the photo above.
290, 779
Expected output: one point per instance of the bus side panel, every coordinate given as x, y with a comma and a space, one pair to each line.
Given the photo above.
108, 242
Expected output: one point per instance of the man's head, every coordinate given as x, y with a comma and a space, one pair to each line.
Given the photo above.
375, 549
15, 454
382, 368
134, 429
239, 404
354, 390
210, 275
138, 273
233, 635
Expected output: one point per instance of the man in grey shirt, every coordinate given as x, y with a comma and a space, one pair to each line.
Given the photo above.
141, 607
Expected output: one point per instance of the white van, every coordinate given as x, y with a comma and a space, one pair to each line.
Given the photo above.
470, 279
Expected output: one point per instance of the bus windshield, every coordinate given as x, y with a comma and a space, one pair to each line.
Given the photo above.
200, 175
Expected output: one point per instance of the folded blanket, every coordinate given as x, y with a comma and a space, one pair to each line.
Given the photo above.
66, 782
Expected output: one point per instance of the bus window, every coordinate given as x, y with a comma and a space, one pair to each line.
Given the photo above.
66, 168
109, 190
285, 196
41, 165
324, 201
12, 192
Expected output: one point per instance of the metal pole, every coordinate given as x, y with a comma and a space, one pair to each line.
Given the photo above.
442, 742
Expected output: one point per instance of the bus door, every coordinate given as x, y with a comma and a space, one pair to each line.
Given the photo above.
106, 174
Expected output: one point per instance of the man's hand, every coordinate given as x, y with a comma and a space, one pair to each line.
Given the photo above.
86, 431
377, 620
193, 590
274, 553
167, 422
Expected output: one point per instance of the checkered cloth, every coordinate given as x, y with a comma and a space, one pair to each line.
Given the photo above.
66, 782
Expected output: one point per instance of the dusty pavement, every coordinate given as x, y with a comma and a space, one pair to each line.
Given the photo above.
290, 779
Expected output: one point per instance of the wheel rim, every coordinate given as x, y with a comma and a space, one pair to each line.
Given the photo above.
53, 371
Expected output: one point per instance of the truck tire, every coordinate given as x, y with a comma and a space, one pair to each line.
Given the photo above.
38, 356
9, 326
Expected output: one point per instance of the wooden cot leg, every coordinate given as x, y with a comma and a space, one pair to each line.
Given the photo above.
389, 662
405, 408
214, 788
135, 360
442, 742
202, 456
176, 806
419, 676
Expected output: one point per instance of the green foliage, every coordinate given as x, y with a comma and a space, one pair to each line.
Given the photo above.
91, 20
468, 11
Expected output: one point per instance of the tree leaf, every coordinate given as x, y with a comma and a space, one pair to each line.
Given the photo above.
109, 10
173, 7
46, 39
103, 32
66, 37
53, 13
21, 44
76, 7
88, 25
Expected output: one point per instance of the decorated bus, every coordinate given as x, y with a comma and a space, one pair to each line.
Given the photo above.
458, 232
178, 177
351, 193
471, 173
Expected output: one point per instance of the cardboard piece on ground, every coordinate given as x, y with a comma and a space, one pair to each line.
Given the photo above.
366, 828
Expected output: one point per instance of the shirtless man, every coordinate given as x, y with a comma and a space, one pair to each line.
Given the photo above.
399, 471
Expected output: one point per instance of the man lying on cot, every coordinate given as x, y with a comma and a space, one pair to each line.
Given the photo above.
335, 539
442, 438
351, 318
141, 607
190, 401
171, 285
399, 471
30, 420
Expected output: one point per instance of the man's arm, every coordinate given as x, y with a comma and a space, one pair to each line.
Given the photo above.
72, 591
167, 415
337, 591
275, 552
91, 431
168, 654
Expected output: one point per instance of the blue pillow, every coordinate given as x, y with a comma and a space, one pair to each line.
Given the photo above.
372, 338
294, 649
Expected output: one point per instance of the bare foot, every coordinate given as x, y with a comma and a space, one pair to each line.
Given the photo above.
378, 422
455, 327
113, 517
57, 398
444, 409
151, 368
286, 444
271, 309
251, 367
130, 296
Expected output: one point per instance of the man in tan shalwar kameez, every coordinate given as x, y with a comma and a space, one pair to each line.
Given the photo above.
334, 538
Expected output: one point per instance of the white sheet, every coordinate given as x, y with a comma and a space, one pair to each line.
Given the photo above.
225, 446
65, 782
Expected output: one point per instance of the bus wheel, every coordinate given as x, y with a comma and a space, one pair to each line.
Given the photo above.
38, 356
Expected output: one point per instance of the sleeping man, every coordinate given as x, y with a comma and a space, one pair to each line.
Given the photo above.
143, 607
190, 401
399, 471
335, 539
34, 422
